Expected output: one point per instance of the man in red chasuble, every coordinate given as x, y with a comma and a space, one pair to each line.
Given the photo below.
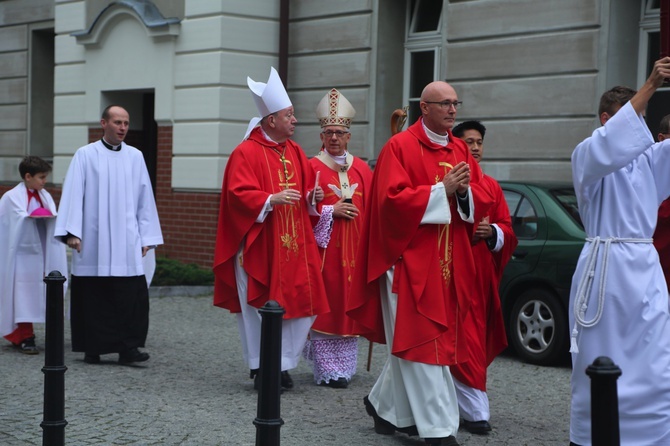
346, 179
492, 245
265, 247
415, 273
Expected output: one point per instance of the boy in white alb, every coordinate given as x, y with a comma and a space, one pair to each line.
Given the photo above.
28, 251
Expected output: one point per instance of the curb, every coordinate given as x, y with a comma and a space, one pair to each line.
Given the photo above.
185, 291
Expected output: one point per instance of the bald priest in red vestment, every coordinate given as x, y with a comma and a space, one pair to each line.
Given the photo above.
265, 247
415, 273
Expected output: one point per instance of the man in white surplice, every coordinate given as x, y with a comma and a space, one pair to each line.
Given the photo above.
619, 299
108, 216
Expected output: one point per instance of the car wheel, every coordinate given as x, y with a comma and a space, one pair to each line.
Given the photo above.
538, 327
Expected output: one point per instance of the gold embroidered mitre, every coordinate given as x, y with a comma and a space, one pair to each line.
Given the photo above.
335, 109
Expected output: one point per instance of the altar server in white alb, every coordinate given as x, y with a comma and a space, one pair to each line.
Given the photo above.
108, 216
619, 298
28, 252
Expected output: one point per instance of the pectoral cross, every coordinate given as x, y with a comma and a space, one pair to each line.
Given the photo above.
286, 184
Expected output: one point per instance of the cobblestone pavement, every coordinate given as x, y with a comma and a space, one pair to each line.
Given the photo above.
195, 391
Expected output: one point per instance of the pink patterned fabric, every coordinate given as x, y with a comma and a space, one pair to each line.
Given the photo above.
332, 358
324, 227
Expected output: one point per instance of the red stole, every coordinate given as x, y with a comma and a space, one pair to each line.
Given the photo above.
36, 195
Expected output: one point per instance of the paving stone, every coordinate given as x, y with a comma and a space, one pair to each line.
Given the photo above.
195, 391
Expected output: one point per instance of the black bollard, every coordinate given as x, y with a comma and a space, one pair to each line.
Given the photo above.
604, 402
268, 420
53, 423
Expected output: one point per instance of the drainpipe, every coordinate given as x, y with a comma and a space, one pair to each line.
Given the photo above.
283, 40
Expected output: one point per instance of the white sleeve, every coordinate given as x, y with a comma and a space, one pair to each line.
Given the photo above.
265, 211
437, 212
622, 139
500, 238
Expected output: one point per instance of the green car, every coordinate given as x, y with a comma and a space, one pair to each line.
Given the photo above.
535, 287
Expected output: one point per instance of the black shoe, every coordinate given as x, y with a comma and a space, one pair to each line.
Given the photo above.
477, 427
286, 380
253, 374
27, 346
257, 381
132, 355
382, 426
91, 359
446, 441
339, 383
412, 431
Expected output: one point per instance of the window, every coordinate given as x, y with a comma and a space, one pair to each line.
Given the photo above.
42, 93
568, 200
524, 217
649, 52
425, 16
652, 6
422, 51
422, 72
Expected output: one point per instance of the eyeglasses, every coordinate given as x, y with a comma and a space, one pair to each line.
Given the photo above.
446, 104
338, 133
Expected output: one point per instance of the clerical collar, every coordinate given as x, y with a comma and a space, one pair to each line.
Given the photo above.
266, 136
109, 146
441, 140
339, 159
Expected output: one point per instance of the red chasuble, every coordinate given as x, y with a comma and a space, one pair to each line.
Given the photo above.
662, 238
434, 267
485, 328
338, 259
280, 255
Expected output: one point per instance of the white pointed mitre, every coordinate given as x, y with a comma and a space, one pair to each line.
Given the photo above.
269, 97
335, 109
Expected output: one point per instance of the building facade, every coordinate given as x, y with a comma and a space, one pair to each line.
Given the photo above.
532, 71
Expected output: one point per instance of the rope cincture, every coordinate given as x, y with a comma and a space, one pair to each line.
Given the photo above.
586, 283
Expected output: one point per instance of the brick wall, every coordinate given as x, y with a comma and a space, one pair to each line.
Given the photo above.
53, 190
188, 219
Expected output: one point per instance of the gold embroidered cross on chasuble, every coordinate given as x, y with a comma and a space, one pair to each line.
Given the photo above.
288, 224
444, 240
